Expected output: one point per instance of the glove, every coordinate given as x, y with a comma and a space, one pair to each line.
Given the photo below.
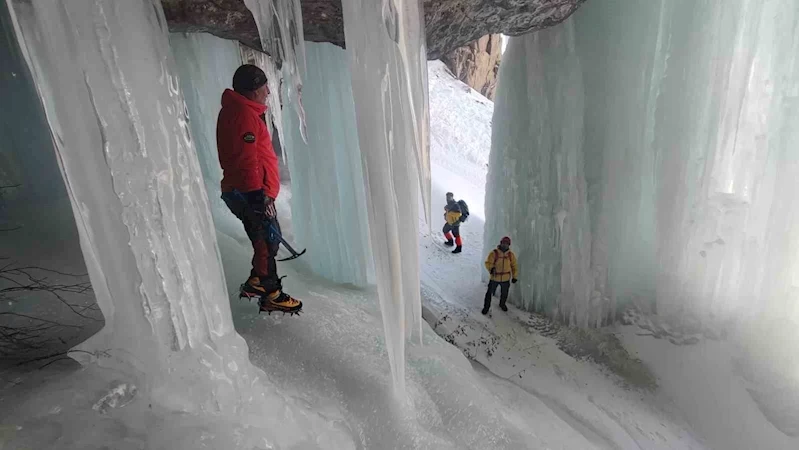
491, 271
269, 208
514, 281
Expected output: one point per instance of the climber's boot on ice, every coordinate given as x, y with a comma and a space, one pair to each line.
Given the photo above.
280, 301
458, 249
449, 243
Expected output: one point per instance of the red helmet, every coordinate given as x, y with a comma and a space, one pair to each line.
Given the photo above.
504, 240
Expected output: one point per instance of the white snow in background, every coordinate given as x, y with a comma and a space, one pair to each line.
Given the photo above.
387, 55
328, 196
460, 131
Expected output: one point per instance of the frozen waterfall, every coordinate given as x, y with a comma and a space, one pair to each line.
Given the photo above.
106, 79
386, 47
646, 153
328, 199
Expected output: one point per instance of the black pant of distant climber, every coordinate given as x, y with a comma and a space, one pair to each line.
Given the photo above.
504, 286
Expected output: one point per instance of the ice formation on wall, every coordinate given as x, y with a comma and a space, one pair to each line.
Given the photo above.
647, 151
205, 66
386, 47
279, 24
106, 78
328, 199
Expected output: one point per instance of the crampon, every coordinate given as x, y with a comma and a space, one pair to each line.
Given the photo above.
268, 306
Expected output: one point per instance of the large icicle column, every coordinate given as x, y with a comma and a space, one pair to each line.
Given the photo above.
536, 188
110, 92
386, 47
328, 199
679, 194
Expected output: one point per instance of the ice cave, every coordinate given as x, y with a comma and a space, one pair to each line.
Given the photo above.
641, 156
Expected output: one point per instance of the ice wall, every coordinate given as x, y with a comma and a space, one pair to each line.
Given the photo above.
109, 88
676, 192
328, 199
205, 65
386, 47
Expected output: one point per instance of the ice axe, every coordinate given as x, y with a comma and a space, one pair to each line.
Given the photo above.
294, 253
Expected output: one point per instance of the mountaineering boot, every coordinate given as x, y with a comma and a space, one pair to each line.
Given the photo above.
484, 311
280, 301
503, 307
252, 289
458, 249
449, 243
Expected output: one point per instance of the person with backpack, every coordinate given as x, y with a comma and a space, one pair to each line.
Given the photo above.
455, 213
501, 265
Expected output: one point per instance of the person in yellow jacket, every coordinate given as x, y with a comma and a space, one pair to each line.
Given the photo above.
452, 214
501, 264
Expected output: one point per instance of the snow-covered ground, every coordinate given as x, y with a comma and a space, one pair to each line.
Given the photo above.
518, 391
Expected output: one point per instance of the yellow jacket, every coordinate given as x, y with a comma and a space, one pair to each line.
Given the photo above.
453, 217
503, 263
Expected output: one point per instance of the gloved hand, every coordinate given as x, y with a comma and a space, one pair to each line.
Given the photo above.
269, 207
491, 271
514, 281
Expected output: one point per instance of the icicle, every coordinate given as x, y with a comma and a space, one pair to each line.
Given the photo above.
285, 43
387, 57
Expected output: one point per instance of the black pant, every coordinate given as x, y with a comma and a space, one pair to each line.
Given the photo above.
248, 207
455, 229
503, 292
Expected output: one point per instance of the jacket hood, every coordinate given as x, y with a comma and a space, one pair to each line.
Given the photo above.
234, 100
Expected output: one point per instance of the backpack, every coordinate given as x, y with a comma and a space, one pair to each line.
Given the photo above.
464, 210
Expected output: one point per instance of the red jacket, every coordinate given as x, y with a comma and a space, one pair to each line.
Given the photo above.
245, 148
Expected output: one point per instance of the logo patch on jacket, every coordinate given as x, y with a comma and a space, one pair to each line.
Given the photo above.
249, 137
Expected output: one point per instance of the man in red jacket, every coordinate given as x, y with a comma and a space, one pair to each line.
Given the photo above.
251, 182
